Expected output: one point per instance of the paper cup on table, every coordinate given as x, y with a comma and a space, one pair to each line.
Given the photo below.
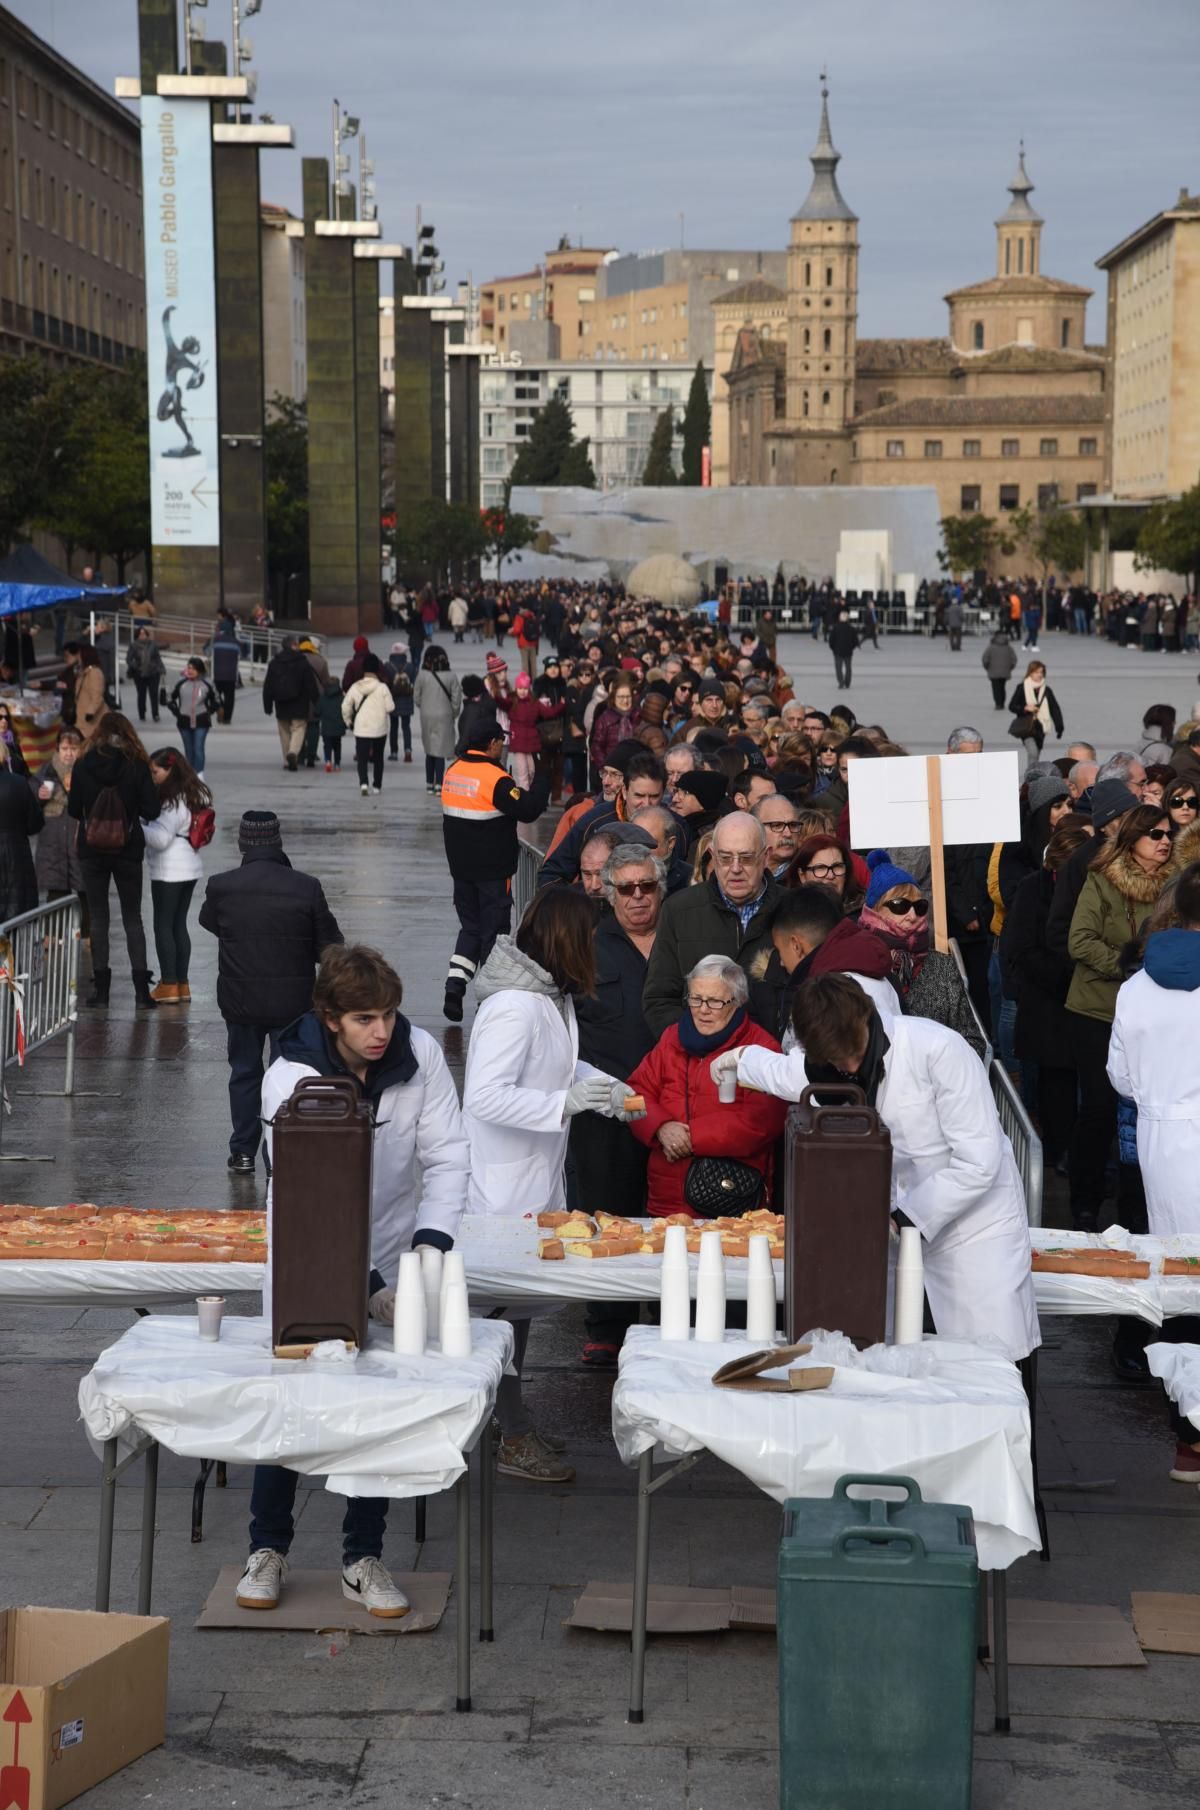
760, 1292
210, 1310
909, 1317
710, 1290
675, 1295
431, 1279
409, 1325
456, 1322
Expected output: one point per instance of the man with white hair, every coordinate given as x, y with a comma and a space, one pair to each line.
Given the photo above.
728, 914
678, 761
1080, 781
964, 740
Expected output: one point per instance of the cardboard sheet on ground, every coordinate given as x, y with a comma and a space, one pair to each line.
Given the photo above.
675, 1609
889, 800
312, 1603
1075, 1634
1166, 1621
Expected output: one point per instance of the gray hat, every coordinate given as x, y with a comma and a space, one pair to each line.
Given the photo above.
1046, 789
1111, 798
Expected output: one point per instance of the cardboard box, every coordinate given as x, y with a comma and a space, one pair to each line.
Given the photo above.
81, 1695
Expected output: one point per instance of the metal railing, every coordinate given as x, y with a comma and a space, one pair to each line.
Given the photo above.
180, 637
1026, 1144
529, 865
39, 976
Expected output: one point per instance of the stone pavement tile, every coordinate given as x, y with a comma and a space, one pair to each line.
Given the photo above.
522, 1776
1103, 1415
596, 1539
19, 1507
1139, 1471
747, 1777
255, 1774
1066, 1540
1056, 1784
1072, 1741
1137, 1548
191, 1714
1183, 1745
408, 1711
1165, 1690
75, 1508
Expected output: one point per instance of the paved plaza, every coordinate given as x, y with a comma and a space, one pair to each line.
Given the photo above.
257, 1720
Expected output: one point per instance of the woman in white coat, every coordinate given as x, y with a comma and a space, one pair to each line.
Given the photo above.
366, 708
953, 1172
174, 866
524, 1082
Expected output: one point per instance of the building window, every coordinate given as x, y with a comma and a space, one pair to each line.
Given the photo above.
807, 274
807, 332
1047, 496
1010, 449
933, 449
1088, 448
829, 276
804, 403
1007, 256
587, 294
1020, 257
1048, 449
970, 499
1082, 490
828, 340
972, 449
1010, 496
1064, 334
977, 336
895, 449
825, 399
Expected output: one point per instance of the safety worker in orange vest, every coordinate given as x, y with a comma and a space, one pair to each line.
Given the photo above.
481, 808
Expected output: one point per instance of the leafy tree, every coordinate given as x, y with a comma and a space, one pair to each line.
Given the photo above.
433, 535
31, 429
697, 427
506, 531
101, 494
577, 467
659, 469
1169, 538
971, 541
552, 454
1058, 543
285, 452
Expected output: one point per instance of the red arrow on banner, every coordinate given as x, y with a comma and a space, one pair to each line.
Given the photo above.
14, 1779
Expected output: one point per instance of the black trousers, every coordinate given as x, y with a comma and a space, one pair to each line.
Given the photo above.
99, 872
273, 1498
244, 1044
976, 957
1058, 1107
147, 693
172, 943
956, 641
998, 688
841, 668
368, 752
226, 690
1096, 1125
396, 723
606, 1163
484, 910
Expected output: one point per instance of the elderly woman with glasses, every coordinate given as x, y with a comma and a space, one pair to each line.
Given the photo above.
928, 983
686, 1127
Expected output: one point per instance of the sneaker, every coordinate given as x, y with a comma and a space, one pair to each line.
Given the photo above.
393, 757
365, 790
525, 1456
548, 1442
292, 763
262, 1580
1186, 1468
408, 757
329, 766
598, 1354
240, 1163
377, 790
368, 1582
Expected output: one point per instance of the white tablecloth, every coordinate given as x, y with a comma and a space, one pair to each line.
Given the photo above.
103, 1284
949, 1414
1178, 1368
503, 1265
1154, 1299
379, 1425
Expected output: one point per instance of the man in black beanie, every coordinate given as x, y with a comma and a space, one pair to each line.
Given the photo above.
271, 924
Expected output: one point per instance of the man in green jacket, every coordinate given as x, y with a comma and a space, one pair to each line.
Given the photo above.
730, 914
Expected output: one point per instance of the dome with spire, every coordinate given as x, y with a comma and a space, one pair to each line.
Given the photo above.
824, 200
1019, 212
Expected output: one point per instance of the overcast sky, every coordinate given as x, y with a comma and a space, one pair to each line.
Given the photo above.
609, 119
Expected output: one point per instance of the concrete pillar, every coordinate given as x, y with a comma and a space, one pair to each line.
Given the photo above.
368, 419
158, 41
332, 439
240, 369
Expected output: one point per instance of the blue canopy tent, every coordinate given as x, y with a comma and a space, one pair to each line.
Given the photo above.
29, 582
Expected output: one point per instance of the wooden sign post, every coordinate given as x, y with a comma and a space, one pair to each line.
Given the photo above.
937, 851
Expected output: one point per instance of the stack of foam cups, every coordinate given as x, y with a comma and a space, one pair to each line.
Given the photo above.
908, 1320
431, 1279
760, 1292
710, 1290
456, 1310
675, 1304
408, 1328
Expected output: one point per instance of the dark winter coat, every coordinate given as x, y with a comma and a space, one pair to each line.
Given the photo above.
612, 1031
56, 861
843, 639
271, 924
696, 923
1035, 975
290, 689
94, 771
20, 818
225, 653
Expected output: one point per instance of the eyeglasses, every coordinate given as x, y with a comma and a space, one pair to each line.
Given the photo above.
735, 857
1159, 835
900, 908
699, 1004
1184, 804
826, 870
781, 825
627, 888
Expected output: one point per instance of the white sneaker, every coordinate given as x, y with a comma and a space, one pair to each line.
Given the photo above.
377, 790
364, 790
368, 1582
262, 1580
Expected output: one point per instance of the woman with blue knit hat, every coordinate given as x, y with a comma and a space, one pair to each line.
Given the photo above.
929, 983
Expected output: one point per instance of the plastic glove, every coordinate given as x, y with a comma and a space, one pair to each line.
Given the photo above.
724, 1064
621, 1093
593, 1095
382, 1305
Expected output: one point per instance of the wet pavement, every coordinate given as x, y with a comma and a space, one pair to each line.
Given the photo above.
254, 1722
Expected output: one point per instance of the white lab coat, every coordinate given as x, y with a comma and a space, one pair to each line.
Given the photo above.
1151, 1061
418, 1132
522, 1058
953, 1175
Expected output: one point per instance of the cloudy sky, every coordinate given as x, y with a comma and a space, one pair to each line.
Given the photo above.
608, 120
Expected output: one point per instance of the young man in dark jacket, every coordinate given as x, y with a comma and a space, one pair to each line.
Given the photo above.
271, 924
291, 690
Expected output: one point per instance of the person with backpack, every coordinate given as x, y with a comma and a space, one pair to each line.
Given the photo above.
438, 698
290, 689
144, 665
112, 795
402, 691
193, 704
329, 716
184, 825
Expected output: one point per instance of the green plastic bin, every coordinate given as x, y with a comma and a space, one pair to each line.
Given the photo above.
877, 1648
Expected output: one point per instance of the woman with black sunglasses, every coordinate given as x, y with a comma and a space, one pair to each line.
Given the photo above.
1181, 801
929, 983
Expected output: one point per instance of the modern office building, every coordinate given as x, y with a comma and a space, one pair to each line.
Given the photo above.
285, 353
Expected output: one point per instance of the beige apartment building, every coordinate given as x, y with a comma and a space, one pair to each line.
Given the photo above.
285, 335
561, 291
1153, 425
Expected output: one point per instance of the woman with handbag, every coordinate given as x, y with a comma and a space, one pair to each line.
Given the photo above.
1034, 707
112, 795
437, 696
173, 863
706, 1158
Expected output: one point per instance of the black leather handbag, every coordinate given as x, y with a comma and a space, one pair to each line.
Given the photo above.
720, 1187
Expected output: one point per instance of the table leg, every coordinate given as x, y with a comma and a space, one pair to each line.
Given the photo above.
108, 1509
641, 1588
462, 1580
1000, 1642
419, 1520
982, 1641
149, 1511
487, 1505
206, 1465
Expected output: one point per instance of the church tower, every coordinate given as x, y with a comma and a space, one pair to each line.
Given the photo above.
1019, 229
822, 315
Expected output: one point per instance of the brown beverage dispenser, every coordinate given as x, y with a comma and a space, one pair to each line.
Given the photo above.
320, 1251
837, 1202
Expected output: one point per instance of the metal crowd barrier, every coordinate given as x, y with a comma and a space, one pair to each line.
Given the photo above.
529, 865
39, 974
1027, 1145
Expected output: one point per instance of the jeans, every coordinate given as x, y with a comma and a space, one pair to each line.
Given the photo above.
147, 693
244, 1045
396, 723
435, 768
1033, 622
841, 667
172, 898
193, 746
98, 873
368, 751
333, 750
511, 1411
273, 1498
1081, 620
